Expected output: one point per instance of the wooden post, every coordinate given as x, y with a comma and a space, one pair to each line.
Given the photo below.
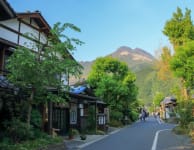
96, 117
50, 117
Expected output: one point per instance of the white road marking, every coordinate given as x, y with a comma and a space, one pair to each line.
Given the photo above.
159, 121
154, 145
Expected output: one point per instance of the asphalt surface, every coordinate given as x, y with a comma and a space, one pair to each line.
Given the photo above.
149, 135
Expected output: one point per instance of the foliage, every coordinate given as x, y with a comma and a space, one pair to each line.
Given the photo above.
180, 130
100, 132
191, 130
36, 118
185, 112
158, 98
38, 143
115, 84
36, 71
91, 121
72, 132
180, 31
115, 123
179, 28
182, 63
18, 131
163, 65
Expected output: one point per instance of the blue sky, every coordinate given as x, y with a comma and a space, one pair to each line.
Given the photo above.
108, 24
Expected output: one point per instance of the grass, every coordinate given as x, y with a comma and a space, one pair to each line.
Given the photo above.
37, 144
181, 130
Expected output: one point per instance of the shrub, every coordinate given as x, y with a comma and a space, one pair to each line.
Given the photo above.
185, 112
115, 123
100, 132
191, 130
17, 130
36, 118
37, 144
180, 130
73, 132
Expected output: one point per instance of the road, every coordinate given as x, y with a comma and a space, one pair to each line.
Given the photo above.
148, 135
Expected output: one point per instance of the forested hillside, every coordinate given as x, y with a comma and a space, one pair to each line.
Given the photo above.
140, 62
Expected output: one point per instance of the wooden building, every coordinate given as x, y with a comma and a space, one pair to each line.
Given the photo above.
31, 30
27, 29
167, 107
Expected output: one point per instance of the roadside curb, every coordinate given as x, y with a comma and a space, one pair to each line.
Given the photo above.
98, 139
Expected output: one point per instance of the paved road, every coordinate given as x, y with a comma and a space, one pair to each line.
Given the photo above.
148, 135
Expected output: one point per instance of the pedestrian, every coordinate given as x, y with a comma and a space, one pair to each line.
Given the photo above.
143, 114
158, 114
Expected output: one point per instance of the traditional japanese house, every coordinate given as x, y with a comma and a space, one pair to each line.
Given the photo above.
84, 107
31, 30
167, 107
27, 29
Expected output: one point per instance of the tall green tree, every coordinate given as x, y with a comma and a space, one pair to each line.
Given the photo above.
114, 83
183, 64
179, 29
38, 71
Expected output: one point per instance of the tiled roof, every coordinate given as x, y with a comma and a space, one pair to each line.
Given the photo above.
4, 83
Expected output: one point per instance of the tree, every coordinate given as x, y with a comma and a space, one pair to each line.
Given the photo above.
163, 65
114, 83
179, 29
38, 71
182, 64
158, 98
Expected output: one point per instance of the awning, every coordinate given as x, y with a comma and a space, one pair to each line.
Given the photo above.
78, 90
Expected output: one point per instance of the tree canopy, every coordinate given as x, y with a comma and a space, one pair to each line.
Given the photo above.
179, 29
183, 64
114, 83
40, 71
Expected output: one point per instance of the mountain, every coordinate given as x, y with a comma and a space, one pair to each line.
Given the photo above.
139, 61
134, 58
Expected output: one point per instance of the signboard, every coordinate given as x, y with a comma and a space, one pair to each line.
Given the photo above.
73, 114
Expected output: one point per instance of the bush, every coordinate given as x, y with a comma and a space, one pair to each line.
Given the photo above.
180, 130
73, 132
37, 144
17, 130
191, 130
115, 123
116, 115
185, 112
100, 132
36, 118
134, 115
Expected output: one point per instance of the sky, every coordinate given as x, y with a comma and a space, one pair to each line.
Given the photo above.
107, 25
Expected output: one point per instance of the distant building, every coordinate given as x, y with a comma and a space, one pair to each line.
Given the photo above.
167, 107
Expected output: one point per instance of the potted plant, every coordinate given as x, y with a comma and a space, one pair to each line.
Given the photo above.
83, 137
72, 133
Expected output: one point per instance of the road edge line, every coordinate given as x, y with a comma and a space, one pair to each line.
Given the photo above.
154, 145
98, 139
